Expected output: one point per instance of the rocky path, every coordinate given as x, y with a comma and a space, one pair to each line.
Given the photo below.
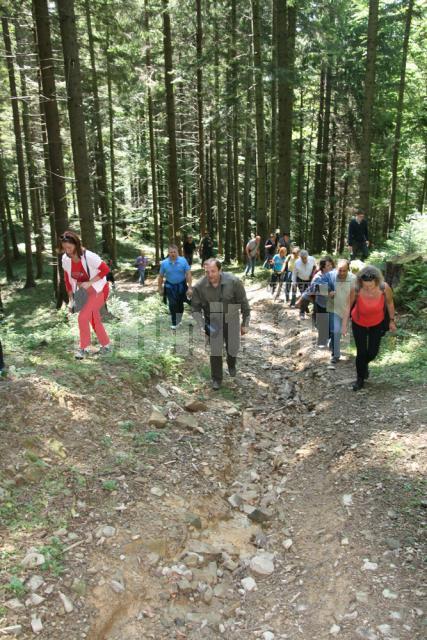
284, 506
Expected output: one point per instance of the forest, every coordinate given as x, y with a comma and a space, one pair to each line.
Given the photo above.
159, 119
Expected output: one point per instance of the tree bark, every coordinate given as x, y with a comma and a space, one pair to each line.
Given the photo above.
217, 137
399, 115
3, 224
154, 188
29, 281
262, 222
200, 126
175, 217
4, 191
286, 28
70, 49
101, 173
332, 196
112, 155
320, 203
343, 224
317, 237
368, 103
235, 134
299, 203
50, 108
273, 145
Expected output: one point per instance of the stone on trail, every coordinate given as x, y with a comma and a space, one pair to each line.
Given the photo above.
259, 516
369, 566
208, 551
157, 419
79, 587
347, 500
14, 604
384, 629
235, 500
188, 422
13, 630
33, 559
262, 564
334, 630
163, 392
249, 584
117, 586
34, 582
268, 635
194, 405
66, 602
36, 624
34, 600
389, 595
287, 544
366, 634
106, 531
157, 491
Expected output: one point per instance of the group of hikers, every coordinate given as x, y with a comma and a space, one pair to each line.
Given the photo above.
219, 302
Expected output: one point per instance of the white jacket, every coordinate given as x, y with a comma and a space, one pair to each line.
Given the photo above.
93, 261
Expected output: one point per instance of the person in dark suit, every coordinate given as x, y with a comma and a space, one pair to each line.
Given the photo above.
358, 239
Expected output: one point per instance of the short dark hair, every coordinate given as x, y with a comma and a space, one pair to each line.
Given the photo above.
213, 261
324, 260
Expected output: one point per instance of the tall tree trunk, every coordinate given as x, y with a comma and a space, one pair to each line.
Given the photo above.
286, 28
235, 134
332, 196
4, 191
50, 106
343, 224
320, 204
299, 203
399, 114
29, 281
175, 218
273, 145
29, 145
247, 169
154, 189
70, 49
230, 199
3, 223
101, 172
200, 126
422, 197
217, 136
112, 154
368, 103
317, 238
262, 221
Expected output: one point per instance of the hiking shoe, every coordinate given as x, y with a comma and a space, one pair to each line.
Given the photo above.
104, 351
358, 384
302, 316
81, 353
232, 371
216, 385
334, 359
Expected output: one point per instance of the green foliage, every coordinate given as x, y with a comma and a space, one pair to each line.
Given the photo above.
110, 485
16, 587
411, 294
54, 556
410, 237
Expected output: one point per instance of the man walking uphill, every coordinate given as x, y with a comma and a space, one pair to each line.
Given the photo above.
177, 287
358, 241
221, 308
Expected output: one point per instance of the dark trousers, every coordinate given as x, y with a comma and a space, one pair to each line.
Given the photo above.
359, 248
1, 357
321, 322
189, 258
176, 296
367, 341
230, 338
302, 286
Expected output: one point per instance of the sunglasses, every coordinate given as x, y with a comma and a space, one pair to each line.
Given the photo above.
367, 277
66, 238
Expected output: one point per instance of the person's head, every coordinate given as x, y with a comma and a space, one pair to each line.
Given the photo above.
326, 264
369, 277
303, 254
286, 236
69, 242
189, 237
282, 252
273, 237
360, 215
342, 268
257, 239
295, 252
141, 253
212, 268
173, 251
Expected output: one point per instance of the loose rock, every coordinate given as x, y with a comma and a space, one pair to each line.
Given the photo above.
262, 564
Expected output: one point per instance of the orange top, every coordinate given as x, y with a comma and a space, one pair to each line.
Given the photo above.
368, 312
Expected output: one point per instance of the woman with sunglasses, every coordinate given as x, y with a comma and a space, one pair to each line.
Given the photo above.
85, 269
369, 301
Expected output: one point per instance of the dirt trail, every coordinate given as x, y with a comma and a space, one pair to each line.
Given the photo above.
334, 477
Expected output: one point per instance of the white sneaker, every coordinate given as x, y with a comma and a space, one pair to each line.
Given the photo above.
81, 353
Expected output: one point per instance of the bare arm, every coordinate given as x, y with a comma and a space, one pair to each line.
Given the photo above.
160, 282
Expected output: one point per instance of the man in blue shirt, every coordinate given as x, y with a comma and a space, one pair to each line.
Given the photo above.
175, 272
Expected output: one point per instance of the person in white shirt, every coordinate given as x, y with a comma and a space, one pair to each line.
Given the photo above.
302, 274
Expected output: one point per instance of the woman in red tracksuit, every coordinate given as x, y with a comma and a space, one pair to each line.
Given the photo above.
85, 269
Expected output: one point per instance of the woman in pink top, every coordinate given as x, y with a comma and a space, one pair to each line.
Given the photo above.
368, 303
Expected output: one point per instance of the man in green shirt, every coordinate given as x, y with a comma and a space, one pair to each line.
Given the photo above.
221, 308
